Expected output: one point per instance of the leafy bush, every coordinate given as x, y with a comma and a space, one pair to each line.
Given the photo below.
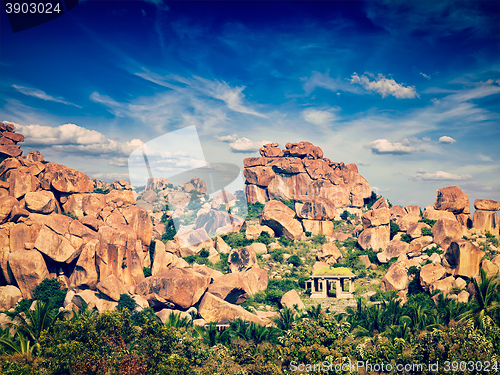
290, 204
371, 200
406, 237
222, 265
147, 271
394, 229
277, 255
101, 191
126, 302
433, 250
295, 260
429, 222
284, 241
236, 240
204, 253
264, 238
198, 259
344, 215
427, 232
170, 231
49, 291
319, 239
308, 234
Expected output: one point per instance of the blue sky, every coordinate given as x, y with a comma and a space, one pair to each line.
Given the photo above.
408, 90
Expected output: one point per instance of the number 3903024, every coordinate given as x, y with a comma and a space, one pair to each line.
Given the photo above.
33, 8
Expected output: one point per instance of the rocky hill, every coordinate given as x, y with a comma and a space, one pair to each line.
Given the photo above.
153, 244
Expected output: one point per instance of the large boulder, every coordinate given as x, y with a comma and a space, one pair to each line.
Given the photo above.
183, 287
6, 206
430, 273
291, 299
376, 218
117, 254
29, 269
415, 231
68, 180
230, 287
464, 257
328, 251
486, 205
256, 279
453, 199
324, 227
85, 273
317, 209
445, 231
303, 150
42, 202
242, 259
214, 221
375, 238
432, 214
256, 194
112, 287
444, 285
395, 248
396, 277
281, 218
259, 175
486, 221
213, 309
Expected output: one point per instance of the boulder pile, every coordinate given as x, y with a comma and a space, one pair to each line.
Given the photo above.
321, 189
9, 140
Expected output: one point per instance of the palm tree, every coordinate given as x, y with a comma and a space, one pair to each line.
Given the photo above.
212, 335
313, 312
21, 346
175, 321
485, 302
32, 323
286, 319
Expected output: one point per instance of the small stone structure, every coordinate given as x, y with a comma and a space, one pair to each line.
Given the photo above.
320, 284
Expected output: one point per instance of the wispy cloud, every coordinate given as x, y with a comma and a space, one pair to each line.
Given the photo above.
232, 96
41, 95
227, 138
439, 176
241, 144
425, 75
383, 86
319, 117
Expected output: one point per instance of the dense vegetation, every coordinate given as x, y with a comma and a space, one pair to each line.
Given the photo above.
46, 341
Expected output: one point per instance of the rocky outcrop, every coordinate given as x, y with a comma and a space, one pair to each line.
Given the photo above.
9, 297
242, 259
29, 270
375, 238
395, 248
328, 253
486, 221
486, 205
230, 287
445, 231
9, 140
430, 273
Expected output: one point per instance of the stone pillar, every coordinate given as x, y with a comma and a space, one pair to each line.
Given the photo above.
350, 285
338, 288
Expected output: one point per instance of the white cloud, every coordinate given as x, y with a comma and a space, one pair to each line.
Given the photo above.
72, 138
439, 176
226, 138
446, 139
425, 75
317, 117
245, 145
384, 86
41, 95
406, 146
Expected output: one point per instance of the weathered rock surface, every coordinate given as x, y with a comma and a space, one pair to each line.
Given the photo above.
328, 251
464, 257
486, 221
396, 277
242, 259
430, 273
112, 287
29, 270
183, 287
376, 218
395, 248
445, 231
230, 287
42, 202
375, 238
281, 219
486, 205
291, 299
213, 309
453, 199
9, 297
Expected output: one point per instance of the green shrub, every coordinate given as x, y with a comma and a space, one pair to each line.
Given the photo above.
394, 229
222, 265
284, 241
406, 237
126, 302
264, 238
204, 253
427, 232
433, 250
277, 255
236, 240
319, 239
49, 291
344, 215
290, 204
170, 231
295, 260
101, 191
371, 200
147, 271
429, 222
